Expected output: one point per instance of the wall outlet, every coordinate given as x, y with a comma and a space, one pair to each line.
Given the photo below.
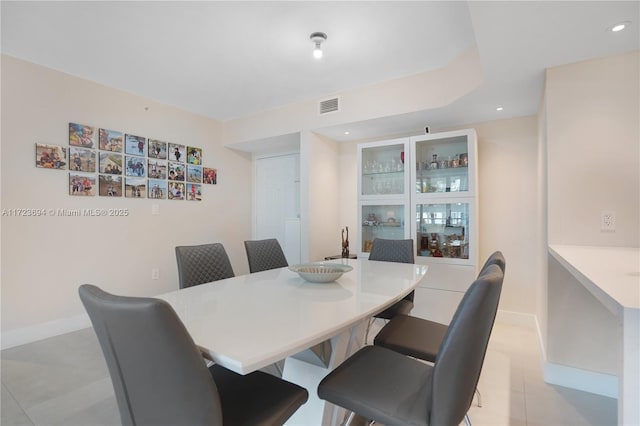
155, 274
155, 209
608, 221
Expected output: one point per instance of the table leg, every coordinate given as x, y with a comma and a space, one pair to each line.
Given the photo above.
309, 375
629, 377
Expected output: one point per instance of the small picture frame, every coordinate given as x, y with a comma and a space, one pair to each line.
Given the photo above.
210, 176
82, 159
81, 135
177, 152
194, 155
110, 140
157, 149
109, 186
135, 187
51, 156
82, 184
110, 163
194, 192
134, 166
135, 145
157, 189
176, 171
176, 191
194, 174
157, 169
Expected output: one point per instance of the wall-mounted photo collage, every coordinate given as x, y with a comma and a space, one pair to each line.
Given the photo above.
112, 163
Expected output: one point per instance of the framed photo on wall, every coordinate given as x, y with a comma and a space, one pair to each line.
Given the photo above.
135, 145
157, 149
82, 184
177, 152
81, 135
109, 186
194, 192
135, 187
194, 155
157, 189
82, 159
51, 156
110, 140
210, 176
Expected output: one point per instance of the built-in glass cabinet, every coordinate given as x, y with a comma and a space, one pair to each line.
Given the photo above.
424, 188
383, 188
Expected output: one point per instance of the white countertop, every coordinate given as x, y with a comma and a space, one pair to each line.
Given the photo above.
612, 274
248, 322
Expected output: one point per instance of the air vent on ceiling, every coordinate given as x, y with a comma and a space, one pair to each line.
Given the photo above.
329, 105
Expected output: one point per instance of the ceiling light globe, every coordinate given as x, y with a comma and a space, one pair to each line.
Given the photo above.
317, 53
618, 27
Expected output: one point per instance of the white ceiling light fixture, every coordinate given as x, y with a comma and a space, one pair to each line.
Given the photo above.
317, 38
619, 26
499, 109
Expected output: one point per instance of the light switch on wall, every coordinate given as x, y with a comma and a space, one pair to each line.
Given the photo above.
155, 209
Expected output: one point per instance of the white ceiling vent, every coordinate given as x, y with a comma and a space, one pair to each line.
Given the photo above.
329, 105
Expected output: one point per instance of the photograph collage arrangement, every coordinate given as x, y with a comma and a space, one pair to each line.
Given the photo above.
127, 165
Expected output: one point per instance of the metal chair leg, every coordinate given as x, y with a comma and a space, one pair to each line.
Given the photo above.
467, 421
349, 419
479, 398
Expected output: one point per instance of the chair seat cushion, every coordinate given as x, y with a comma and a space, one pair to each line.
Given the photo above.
402, 307
412, 336
257, 398
381, 385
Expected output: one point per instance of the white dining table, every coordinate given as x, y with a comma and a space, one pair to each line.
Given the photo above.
251, 321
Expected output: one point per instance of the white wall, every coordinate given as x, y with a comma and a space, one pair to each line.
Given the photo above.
427, 90
45, 259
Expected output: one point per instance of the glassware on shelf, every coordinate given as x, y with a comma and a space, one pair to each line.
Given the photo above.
434, 162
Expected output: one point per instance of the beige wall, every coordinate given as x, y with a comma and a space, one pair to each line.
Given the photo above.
320, 159
45, 259
507, 173
593, 150
593, 164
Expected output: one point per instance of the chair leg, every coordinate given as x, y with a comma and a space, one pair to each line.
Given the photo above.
467, 421
479, 398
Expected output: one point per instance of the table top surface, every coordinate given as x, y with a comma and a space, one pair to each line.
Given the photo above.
248, 322
608, 272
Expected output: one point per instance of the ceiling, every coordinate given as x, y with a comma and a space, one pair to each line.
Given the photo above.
228, 60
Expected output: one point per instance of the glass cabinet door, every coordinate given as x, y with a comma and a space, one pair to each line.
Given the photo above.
442, 165
443, 230
381, 221
383, 170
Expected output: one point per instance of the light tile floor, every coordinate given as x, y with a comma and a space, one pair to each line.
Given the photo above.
64, 381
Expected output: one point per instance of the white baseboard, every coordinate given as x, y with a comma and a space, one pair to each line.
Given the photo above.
583, 380
517, 318
22, 336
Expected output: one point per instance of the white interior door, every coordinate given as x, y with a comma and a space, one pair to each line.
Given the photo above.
277, 202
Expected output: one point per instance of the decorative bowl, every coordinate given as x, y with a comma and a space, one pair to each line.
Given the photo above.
320, 272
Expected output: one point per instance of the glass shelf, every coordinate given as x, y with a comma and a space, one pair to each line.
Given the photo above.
443, 230
383, 170
381, 221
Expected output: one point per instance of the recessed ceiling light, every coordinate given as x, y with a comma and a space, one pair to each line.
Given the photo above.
499, 109
619, 26
346, 133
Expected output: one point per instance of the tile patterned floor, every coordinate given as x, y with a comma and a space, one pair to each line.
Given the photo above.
64, 381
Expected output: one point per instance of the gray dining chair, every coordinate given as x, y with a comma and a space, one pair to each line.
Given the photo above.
201, 264
390, 388
400, 251
160, 378
421, 338
264, 255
